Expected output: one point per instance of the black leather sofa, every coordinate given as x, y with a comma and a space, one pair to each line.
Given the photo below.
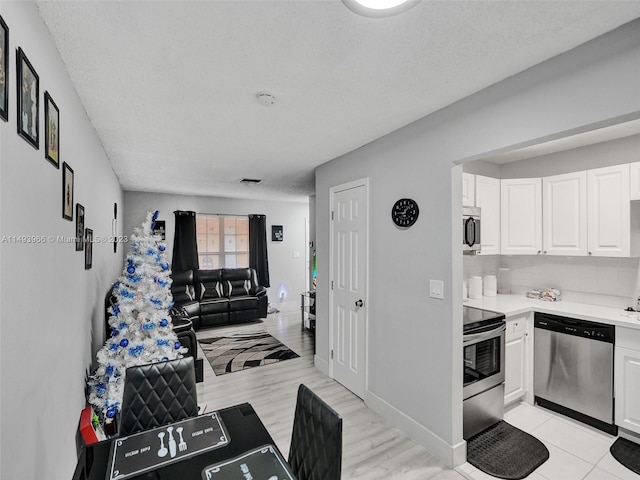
219, 297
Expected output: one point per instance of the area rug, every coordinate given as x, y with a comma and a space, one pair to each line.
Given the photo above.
627, 453
241, 351
505, 451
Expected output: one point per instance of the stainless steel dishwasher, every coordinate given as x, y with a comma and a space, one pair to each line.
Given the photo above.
573, 369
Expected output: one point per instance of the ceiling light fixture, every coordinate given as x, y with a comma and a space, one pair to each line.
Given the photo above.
380, 8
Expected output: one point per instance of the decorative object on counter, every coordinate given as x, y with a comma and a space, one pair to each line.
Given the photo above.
475, 286
547, 294
490, 283
504, 281
627, 453
505, 451
241, 351
141, 325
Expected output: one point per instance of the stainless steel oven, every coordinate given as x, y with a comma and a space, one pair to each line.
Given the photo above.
483, 350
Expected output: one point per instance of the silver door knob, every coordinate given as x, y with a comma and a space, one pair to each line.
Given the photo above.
359, 303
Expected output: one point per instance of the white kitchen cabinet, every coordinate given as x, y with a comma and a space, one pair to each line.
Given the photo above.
468, 190
521, 216
627, 379
564, 214
634, 181
488, 199
516, 358
608, 212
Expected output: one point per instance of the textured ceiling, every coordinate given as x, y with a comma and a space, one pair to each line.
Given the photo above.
171, 86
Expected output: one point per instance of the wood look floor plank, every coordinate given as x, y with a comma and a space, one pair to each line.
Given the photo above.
372, 448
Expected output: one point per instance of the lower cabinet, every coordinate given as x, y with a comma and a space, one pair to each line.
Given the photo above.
516, 358
627, 379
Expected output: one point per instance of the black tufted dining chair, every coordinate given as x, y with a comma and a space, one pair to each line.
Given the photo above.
158, 394
316, 441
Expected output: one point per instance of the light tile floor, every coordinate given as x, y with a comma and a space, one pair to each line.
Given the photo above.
576, 451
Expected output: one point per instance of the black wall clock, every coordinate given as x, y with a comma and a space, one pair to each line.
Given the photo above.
405, 212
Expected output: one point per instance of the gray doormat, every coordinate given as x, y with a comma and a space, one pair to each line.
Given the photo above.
505, 451
627, 453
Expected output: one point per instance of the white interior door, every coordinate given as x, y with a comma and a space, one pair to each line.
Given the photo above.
349, 285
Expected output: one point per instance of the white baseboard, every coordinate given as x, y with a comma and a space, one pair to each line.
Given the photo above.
451, 455
321, 364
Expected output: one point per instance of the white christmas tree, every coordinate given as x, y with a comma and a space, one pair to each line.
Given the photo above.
141, 328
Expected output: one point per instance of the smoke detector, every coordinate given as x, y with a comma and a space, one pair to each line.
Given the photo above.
266, 99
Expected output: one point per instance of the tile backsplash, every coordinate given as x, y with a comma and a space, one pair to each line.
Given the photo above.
605, 281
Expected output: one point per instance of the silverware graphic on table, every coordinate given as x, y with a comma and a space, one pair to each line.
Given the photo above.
182, 446
172, 442
163, 450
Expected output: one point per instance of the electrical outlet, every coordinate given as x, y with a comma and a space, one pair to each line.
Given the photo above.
436, 289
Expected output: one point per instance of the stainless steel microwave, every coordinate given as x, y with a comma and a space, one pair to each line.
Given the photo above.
470, 230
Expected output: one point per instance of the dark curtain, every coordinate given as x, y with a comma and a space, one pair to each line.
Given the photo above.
185, 248
258, 248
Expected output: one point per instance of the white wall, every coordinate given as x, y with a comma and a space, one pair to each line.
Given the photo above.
415, 342
286, 273
51, 308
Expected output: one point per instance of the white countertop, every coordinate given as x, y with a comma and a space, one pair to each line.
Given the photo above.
518, 304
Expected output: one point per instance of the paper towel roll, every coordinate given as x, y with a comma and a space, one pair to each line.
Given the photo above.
475, 286
490, 285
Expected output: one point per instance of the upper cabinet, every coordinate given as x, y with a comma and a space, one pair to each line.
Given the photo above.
609, 218
521, 216
468, 190
634, 183
564, 214
488, 199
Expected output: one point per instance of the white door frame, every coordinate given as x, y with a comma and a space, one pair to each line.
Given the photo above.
363, 182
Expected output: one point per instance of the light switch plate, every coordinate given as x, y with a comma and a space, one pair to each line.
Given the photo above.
436, 289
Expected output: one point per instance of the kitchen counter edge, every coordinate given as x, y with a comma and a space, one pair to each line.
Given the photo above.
512, 305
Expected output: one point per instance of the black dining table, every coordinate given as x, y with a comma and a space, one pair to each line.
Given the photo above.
238, 445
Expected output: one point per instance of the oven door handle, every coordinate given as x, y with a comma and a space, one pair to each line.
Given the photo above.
476, 337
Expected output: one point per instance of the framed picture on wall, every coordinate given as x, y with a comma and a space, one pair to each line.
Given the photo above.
51, 131
28, 100
276, 233
88, 250
4, 70
67, 192
159, 229
79, 227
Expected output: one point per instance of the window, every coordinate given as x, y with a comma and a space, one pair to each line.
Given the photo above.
223, 241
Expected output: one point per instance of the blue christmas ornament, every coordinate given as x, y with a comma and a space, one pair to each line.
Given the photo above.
109, 370
131, 269
162, 248
122, 325
115, 332
155, 301
111, 412
155, 215
151, 252
116, 310
113, 347
177, 345
101, 388
165, 359
124, 342
165, 266
164, 322
161, 342
149, 326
